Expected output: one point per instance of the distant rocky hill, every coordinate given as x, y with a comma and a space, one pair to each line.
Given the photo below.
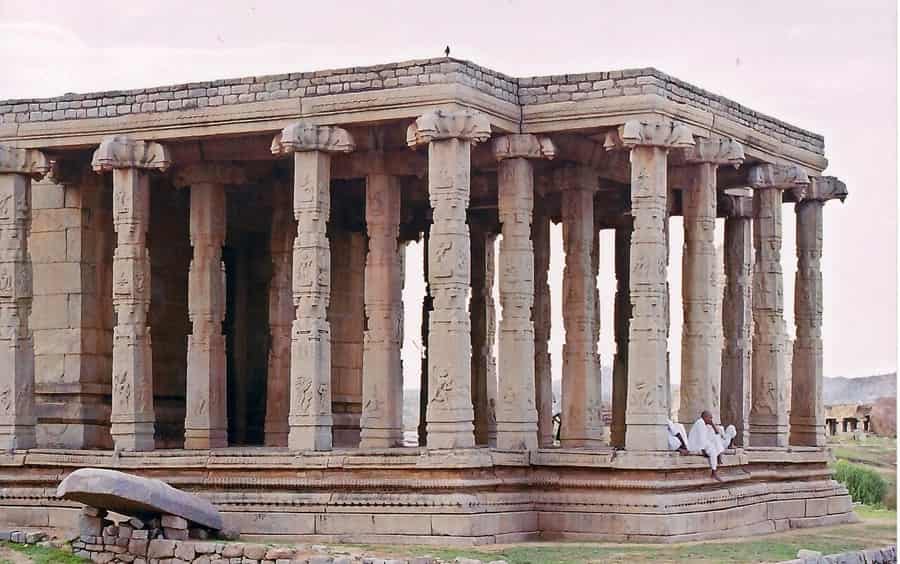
865, 389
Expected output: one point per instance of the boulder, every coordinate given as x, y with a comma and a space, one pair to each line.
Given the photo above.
136, 497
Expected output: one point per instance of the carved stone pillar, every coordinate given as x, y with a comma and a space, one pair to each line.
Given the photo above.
310, 412
517, 416
648, 397
582, 424
701, 354
132, 415
382, 381
17, 411
449, 136
281, 315
206, 419
481, 313
807, 407
768, 412
737, 321
622, 321
543, 382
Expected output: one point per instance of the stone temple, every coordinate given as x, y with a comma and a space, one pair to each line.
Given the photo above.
203, 283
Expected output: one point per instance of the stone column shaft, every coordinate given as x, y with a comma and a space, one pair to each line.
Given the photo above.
648, 395
700, 354
132, 399
449, 136
17, 407
581, 421
737, 327
132, 414
543, 380
517, 416
807, 419
310, 413
768, 412
310, 420
382, 381
206, 422
622, 321
281, 316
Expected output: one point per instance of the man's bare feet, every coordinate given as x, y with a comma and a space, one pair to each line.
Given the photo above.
715, 476
682, 451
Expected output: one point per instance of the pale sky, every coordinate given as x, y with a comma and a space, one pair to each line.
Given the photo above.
828, 66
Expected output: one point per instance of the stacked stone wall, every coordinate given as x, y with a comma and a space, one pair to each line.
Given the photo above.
523, 91
69, 238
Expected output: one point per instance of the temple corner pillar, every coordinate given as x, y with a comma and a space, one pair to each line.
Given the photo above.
18, 167
807, 419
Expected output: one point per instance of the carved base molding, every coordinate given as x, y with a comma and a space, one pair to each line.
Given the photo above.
476, 496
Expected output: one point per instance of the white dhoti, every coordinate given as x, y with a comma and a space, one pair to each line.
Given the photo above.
676, 429
703, 438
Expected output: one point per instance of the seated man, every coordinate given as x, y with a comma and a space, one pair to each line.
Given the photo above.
711, 440
677, 437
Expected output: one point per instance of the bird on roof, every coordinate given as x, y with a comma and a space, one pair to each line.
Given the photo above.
447, 51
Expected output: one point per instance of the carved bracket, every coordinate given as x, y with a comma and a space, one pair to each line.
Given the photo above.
824, 188
523, 145
121, 151
442, 124
29, 162
782, 177
307, 136
718, 151
661, 133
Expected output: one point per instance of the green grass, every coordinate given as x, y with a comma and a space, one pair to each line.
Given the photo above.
43, 555
877, 530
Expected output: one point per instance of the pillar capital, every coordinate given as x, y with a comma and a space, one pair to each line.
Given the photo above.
121, 151
209, 173
736, 205
824, 188
306, 136
657, 133
575, 177
440, 124
716, 151
781, 177
523, 145
29, 162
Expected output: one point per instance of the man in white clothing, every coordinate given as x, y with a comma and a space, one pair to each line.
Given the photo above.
677, 437
711, 440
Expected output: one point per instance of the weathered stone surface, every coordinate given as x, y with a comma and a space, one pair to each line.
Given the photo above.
161, 548
133, 495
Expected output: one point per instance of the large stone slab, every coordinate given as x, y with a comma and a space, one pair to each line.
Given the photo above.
136, 496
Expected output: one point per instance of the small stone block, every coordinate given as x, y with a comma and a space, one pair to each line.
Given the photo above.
174, 522
185, 551
136, 523
125, 531
254, 551
141, 534
175, 534
233, 551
